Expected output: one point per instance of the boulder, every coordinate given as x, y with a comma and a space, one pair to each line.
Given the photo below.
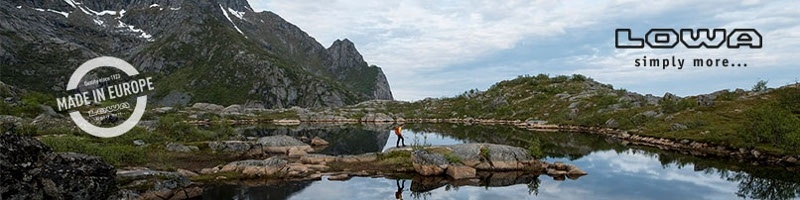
792, 159
558, 165
282, 144
705, 100
317, 159
186, 173
316, 141
256, 168
428, 163
485, 156
611, 123
8, 122
678, 127
234, 109
649, 114
177, 147
555, 172
208, 107
45, 120
755, 153
296, 152
212, 170
230, 146
460, 172
576, 171
502, 157
49, 111
163, 109
156, 184
31, 170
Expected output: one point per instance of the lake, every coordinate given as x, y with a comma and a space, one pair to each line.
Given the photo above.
616, 171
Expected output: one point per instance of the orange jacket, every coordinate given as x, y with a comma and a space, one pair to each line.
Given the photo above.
398, 130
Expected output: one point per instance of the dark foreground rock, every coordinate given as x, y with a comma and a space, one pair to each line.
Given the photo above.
31, 170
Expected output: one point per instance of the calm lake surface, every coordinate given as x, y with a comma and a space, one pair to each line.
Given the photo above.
616, 171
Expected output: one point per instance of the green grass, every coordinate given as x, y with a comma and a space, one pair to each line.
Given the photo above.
115, 154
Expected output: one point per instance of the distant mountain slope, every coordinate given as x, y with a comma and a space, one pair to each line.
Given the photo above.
763, 118
217, 51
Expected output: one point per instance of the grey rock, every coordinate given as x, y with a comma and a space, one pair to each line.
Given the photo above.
234, 109
428, 163
705, 100
32, 170
498, 157
317, 141
573, 105
49, 111
670, 97
280, 141
755, 153
154, 181
611, 123
175, 98
649, 113
678, 127
230, 146
149, 125
208, 107
8, 122
163, 109
45, 120
651, 100
138, 143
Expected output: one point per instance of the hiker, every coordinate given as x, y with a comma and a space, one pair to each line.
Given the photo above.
399, 132
400, 188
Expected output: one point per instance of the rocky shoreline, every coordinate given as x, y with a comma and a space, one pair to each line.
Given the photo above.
684, 146
270, 158
288, 159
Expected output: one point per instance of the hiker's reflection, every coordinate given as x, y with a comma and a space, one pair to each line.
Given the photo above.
400, 187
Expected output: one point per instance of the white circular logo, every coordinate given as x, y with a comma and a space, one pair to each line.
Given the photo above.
138, 111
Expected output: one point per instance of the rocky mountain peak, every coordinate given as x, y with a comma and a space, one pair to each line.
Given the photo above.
214, 51
239, 5
344, 55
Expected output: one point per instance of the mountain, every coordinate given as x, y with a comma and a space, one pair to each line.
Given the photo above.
216, 51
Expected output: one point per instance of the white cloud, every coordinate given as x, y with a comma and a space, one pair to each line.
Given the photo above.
414, 38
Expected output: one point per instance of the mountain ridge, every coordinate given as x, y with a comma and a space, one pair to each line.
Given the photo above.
199, 51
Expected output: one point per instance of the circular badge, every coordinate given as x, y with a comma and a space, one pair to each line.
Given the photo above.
138, 111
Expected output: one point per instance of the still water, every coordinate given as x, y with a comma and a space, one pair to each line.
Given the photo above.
615, 171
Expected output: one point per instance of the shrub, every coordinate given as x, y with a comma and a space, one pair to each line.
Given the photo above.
772, 124
535, 148
452, 158
760, 86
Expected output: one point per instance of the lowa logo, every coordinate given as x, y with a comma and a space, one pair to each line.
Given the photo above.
95, 101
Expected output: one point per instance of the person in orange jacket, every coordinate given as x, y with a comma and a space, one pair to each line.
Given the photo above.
399, 132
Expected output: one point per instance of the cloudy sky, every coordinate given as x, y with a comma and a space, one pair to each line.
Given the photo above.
442, 48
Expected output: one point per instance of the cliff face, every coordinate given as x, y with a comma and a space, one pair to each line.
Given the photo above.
348, 66
217, 51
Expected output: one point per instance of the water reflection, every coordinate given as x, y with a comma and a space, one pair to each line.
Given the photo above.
343, 139
616, 171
